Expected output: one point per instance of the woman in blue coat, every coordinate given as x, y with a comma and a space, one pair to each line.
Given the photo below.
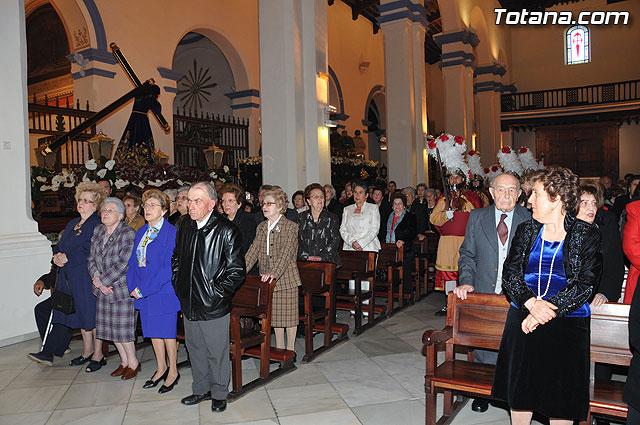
149, 281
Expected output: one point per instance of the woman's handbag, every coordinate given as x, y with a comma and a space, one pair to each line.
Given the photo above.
61, 301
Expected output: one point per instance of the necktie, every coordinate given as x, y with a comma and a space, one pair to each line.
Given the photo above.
503, 232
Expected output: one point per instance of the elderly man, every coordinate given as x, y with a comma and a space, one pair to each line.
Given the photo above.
486, 244
207, 266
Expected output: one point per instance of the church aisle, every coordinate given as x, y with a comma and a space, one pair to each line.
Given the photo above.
374, 379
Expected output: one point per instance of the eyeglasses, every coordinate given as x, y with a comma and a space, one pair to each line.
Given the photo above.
109, 211
268, 204
173, 202
85, 201
316, 197
150, 205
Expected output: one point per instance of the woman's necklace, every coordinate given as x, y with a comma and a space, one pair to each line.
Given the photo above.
553, 259
78, 227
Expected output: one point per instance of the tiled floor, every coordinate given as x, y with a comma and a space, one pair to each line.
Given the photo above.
375, 378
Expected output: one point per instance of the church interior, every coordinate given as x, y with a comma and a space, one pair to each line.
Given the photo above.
273, 89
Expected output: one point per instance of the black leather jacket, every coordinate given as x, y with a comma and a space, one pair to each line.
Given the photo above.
581, 258
207, 267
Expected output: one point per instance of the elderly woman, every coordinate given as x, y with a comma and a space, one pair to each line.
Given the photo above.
401, 230
111, 246
319, 234
73, 278
172, 214
590, 210
298, 201
232, 197
274, 249
132, 212
550, 274
181, 200
149, 282
360, 222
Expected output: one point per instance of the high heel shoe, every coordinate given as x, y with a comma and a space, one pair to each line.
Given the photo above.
151, 383
166, 388
131, 373
94, 365
80, 360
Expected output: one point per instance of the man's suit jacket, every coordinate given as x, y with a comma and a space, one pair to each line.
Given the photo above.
478, 263
283, 252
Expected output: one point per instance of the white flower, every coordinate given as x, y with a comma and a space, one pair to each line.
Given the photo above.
85, 178
56, 180
180, 182
44, 188
41, 179
213, 175
226, 168
121, 183
91, 164
141, 185
109, 164
68, 185
102, 173
55, 187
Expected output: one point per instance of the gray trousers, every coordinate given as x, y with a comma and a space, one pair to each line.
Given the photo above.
208, 345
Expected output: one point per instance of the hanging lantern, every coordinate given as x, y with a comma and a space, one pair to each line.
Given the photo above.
45, 156
101, 146
161, 158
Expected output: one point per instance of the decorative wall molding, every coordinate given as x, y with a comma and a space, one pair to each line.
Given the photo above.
169, 74
459, 57
93, 71
244, 99
464, 36
95, 55
403, 9
495, 69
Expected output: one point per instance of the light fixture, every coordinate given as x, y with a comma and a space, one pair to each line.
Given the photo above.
383, 143
46, 157
328, 110
101, 146
213, 155
161, 158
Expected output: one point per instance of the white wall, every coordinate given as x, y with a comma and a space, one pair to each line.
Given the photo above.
524, 138
629, 138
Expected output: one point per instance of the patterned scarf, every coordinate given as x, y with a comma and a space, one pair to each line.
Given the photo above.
391, 235
149, 236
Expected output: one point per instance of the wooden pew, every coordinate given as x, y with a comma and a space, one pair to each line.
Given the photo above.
357, 266
610, 345
476, 322
318, 279
390, 259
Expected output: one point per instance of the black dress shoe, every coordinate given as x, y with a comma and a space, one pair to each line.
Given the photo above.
195, 398
80, 360
480, 405
96, 365
218, 405
42, 358
442, 312
166, 388
151, 383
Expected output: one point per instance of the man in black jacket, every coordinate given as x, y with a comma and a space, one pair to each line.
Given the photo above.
207, 266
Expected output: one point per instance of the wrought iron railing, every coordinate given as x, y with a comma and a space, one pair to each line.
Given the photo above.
51, 119
193, 134
624, 91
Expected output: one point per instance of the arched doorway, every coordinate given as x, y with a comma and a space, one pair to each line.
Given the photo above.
48, 69
375, 119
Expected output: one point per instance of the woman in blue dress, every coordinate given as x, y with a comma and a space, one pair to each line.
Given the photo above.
149, 281
551, 272
73, 277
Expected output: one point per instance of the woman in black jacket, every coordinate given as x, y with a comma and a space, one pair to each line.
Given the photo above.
401, 229
319, 234
232, 196
552, 270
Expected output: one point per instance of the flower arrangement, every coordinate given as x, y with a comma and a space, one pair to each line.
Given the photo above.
223, 175
509, 161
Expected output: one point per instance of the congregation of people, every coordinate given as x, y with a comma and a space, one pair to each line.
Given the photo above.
555, 245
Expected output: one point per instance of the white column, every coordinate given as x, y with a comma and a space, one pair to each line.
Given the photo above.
24, 252
403, 29
293, 49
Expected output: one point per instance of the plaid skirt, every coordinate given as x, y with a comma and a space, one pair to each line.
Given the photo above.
115, 321
284, 313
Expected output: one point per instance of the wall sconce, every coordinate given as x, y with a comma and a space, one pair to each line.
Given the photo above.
383, 143
328, 110
46, 157
364, 66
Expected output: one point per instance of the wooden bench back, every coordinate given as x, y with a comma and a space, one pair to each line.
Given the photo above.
432, 239
610, 334
357, 261
389, 253
254, 294
477, 321
317, 277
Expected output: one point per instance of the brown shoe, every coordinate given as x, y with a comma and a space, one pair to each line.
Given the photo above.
131, 373
119, 371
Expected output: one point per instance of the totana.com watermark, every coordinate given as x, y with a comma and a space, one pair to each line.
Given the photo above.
526, 17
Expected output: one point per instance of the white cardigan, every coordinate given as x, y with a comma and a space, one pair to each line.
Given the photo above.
361, 227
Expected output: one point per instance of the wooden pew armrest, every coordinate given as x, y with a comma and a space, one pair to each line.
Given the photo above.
433, 336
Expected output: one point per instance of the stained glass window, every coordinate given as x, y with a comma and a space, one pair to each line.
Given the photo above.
577, 45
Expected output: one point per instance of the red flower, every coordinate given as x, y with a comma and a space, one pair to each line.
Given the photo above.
459, 140
487, 171
432, 144
506, 149
471, 153
494, 168
470, 176
443, 137
523, 150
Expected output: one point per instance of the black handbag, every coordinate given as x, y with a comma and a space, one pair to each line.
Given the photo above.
61, 301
